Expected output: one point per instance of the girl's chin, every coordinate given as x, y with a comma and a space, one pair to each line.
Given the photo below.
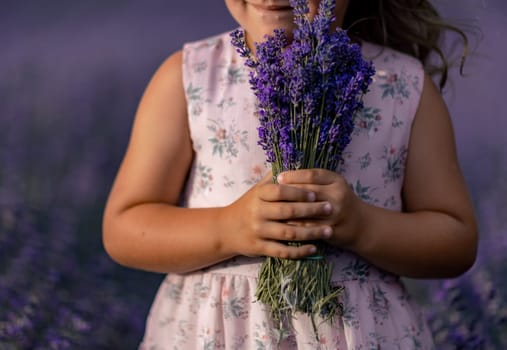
259, 35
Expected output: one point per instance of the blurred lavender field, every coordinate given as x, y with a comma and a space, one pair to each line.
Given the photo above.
71, 75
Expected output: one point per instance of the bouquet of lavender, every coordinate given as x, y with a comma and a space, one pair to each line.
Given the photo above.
308, 90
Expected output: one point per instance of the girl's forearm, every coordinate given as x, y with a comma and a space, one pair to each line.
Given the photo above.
422, 244
163, 238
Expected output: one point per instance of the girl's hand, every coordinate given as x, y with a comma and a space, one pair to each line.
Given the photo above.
264, 216
344, 212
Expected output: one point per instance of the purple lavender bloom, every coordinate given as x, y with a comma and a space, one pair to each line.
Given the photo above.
312, 87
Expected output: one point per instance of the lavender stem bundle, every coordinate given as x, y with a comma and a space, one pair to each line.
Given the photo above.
308, 90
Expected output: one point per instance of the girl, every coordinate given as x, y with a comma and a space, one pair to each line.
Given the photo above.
190, 198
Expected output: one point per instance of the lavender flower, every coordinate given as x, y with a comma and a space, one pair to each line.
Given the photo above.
308, 92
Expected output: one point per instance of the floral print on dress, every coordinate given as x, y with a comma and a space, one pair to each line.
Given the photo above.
396, 123
364, 161
364, 192
238, 342
183, 330
344, 163
394, 84
350, 316
411, 338
172, 290
391, 202
205, 182
256, 173
379, 305
236, 307
225, 103
198, 297
357, 269
233, 306
210, 339
375, 341
235, 75
195, 100
368, 121
228, 183
226, 139
263, 337
199, 67
395, 159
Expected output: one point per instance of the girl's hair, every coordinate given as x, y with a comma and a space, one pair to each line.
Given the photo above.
413, 27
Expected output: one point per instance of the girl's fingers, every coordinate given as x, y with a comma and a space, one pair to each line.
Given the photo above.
278, 231
307, 222
283, 251
308, 176
283, 211
279, 193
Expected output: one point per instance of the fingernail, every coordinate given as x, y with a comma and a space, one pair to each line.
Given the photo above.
313, 250
327, 232
327, 207
311, 196
279, 178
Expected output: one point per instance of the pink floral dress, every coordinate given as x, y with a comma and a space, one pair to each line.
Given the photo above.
216, 308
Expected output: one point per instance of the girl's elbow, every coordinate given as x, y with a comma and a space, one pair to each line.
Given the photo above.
113, 233
468, 251
472, 253
110, 241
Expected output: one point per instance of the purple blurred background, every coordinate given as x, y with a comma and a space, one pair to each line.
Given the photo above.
71, 75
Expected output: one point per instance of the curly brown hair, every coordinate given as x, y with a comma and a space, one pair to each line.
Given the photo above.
413, 27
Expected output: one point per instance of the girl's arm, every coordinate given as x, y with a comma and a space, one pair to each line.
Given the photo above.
144, 228
436, 235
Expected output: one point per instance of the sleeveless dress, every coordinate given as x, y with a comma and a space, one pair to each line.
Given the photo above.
216, 308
